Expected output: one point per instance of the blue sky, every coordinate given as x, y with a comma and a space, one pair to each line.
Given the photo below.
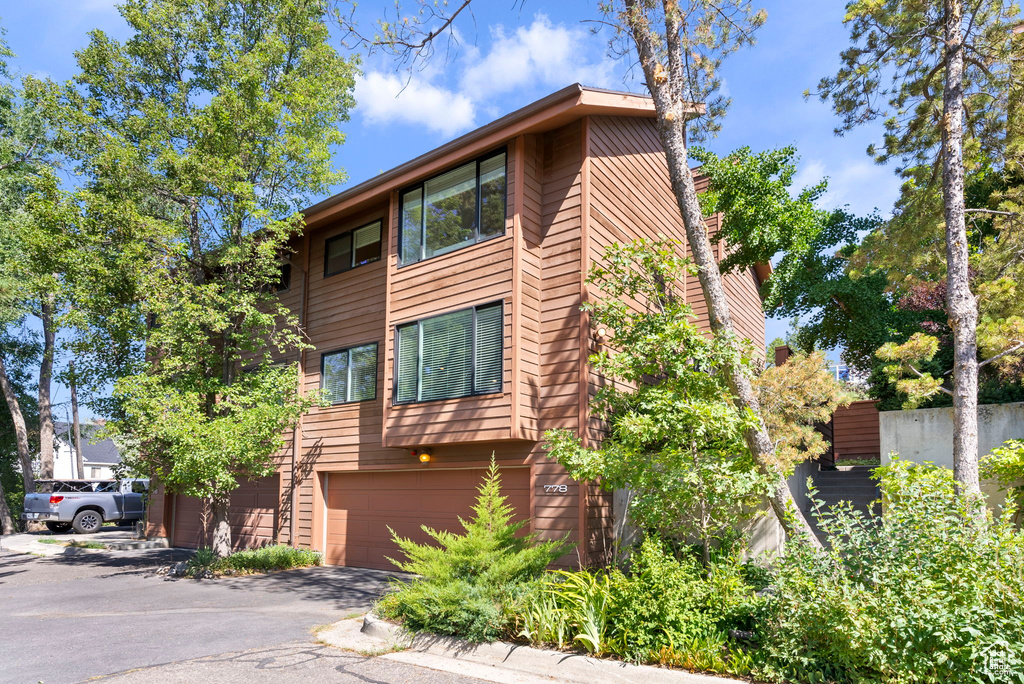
509, 54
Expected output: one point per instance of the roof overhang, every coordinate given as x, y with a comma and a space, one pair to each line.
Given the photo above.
553, 111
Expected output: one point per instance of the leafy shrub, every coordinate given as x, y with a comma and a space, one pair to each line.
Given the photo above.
927, 593
465, 581
206, 563
666, 609
1006, 465
271, 558
203, 563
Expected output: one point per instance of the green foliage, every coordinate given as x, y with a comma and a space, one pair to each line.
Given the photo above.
1006, 466
903, 359
272, 558
20, 354
924, 594
206, 563
760, 217
795, 397
665, 609
196, 141
463, 581
675, 437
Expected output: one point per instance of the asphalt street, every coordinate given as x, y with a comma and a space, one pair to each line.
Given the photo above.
110, 617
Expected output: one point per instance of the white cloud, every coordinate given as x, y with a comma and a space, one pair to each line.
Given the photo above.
449, 100
862, 185
382, 99
540, 53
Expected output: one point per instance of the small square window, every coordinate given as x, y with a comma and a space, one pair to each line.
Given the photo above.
354, 248
350, 375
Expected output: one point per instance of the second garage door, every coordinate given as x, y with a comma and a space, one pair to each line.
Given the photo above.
253, 516
362, 505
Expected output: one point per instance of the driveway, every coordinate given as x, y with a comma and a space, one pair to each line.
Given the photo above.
108, 616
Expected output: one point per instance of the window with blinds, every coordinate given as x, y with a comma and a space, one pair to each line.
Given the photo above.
457, 354
349, 374
354, 248
458, 208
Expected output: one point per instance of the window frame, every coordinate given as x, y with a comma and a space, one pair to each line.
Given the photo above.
348, 350
500, 303
350, 234
286, 267
421, 186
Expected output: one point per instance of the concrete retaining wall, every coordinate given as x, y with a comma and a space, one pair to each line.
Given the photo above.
927, 435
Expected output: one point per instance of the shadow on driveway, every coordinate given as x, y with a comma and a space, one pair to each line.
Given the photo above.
341, 588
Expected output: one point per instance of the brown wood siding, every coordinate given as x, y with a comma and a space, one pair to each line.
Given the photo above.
478, 274
571, 191
561, 168
856, 433
630, 198
253, 514
530, 289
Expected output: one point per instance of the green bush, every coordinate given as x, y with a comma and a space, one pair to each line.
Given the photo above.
927, 593
271, 558
1006, 465
464, 582
665, 609
205, 563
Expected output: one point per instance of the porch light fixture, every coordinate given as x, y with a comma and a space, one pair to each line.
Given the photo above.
423, 454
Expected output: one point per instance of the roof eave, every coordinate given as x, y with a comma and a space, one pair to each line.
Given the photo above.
559, 108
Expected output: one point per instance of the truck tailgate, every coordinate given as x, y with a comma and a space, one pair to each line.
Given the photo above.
37, 503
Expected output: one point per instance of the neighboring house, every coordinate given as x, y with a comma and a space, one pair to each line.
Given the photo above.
443, 301
98, 459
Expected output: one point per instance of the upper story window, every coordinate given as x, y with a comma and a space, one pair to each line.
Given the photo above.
284, 282
456, 209
354, 248
453, 355
350, 374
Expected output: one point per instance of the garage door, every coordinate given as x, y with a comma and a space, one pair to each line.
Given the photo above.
361, 507
253, 516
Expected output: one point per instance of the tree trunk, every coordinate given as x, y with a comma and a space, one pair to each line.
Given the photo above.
76, 425
961, 305
667, 92
220, 543
45, 382
20, 429
6, 521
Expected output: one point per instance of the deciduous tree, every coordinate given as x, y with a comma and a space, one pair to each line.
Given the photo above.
197, 140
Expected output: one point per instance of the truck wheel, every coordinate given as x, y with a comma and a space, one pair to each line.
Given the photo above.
87, 522
58, 527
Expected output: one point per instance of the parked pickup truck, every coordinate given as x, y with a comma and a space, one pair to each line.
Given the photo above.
86, 504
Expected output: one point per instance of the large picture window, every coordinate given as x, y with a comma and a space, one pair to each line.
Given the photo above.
456, 209
350, 374
456, 354
354, 248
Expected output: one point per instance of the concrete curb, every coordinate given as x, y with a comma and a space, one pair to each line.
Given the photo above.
112, 540
134, 545
499, 662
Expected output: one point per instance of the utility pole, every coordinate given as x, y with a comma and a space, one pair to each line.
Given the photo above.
74, 421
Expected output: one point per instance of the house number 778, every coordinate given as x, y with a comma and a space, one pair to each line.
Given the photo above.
556, 488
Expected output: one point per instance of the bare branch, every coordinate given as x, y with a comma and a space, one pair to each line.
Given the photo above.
1019, 345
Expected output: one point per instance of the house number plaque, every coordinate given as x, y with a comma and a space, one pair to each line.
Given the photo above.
561, 489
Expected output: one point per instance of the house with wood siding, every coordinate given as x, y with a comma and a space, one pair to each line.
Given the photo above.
442, 299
